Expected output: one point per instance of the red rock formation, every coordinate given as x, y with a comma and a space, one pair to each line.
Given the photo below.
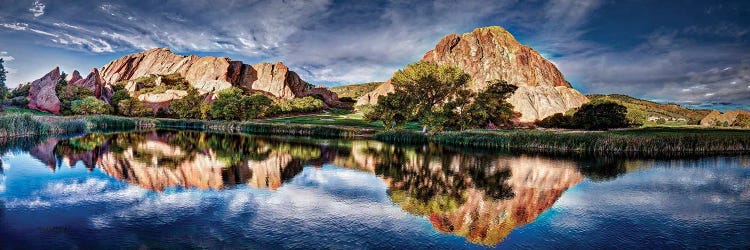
93, 82
210, 74
493, 53
75, 77
716, 118
43, 93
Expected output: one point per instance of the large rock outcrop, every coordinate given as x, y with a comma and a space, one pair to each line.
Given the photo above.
716, 118
43, 93
210, 74
493, 53
93, 82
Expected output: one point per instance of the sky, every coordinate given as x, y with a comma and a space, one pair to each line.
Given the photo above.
693, 53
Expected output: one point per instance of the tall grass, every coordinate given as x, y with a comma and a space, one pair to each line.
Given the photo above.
117, 123
321, 131
401, 136
13, 125
641, 142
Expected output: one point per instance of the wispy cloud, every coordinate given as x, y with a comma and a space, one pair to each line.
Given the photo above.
37, 9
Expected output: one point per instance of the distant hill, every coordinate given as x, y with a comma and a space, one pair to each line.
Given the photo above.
654, 110
356, 90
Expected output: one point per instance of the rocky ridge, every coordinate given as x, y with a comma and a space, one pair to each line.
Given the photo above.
493, 53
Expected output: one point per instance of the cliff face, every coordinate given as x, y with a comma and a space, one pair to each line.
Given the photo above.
43, 93
210, 74
493, 53
716, 118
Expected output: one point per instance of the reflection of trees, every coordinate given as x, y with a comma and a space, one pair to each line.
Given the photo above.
429, 179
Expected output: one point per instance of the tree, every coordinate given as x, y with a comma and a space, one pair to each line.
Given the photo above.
3, 88
255, 106
134, 108
69, 93
558, 120
491, 105
392, 109
90, 106
742, 120
427, 87
601, 116
118, 96
187, 108
227, 104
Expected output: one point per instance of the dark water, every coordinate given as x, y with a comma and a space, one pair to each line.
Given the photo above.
171, 189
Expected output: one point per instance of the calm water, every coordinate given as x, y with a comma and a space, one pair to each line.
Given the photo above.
171, 189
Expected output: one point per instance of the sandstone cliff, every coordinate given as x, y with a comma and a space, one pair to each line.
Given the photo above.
210, 74
493, 53
43, 93
716, 118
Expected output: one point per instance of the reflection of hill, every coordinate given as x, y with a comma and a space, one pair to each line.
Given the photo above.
482, 197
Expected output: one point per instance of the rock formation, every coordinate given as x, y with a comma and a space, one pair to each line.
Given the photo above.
493, 53
43, 93
93, 82
716, 118
210, 74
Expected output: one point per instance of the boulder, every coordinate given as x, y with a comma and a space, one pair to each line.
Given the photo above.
493, 53
43, 93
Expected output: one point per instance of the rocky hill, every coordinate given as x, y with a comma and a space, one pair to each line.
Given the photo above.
726, 119
355, 91
493, 53
206, 74
654, 110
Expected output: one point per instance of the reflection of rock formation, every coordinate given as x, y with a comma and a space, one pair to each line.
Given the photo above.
536, 185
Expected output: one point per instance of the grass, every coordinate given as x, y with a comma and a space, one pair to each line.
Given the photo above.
21, 125
645, 141
336, 117
312, 130
16, 110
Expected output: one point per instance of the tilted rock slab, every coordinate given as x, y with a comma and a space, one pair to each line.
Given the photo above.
493, 53
43, 93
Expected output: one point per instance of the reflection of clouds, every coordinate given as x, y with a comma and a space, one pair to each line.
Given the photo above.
691, 195
91, 190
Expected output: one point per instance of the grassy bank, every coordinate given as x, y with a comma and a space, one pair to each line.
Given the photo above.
645, 141
323, 131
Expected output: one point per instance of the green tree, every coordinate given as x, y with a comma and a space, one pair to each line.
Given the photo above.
118, 96
558, 120
3, 88
187, 107
742, 120
428, 87
90, 106
227, 105
134, 108
601, 116
491, 106
255, 106
392, 109
69, 93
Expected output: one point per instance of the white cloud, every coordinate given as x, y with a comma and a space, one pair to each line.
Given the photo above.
37, 9
6, 57
15, 26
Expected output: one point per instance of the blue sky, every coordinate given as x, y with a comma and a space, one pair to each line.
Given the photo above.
695, 53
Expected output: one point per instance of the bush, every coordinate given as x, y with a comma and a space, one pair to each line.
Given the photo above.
69, 93
186, 107
90, 106
601, 116
119, 95
299, 105
134, 108
556, 121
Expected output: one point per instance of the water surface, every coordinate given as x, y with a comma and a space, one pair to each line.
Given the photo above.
185, 189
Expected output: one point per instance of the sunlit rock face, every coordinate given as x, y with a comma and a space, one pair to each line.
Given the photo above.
492, 53
43, 93
536, 185
211, 74
716, 118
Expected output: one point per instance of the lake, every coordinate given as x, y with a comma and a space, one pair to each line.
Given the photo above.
188, 189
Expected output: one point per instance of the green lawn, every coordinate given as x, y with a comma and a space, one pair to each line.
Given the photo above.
335, 117
15, 110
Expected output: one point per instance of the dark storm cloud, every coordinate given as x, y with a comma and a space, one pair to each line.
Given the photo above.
692, 53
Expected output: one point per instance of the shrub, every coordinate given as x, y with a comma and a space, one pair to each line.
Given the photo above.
601, 116
134, 108
119, 95
556, 121
90, 106
186, 107
69, 93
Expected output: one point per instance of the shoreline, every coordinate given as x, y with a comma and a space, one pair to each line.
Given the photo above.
642, 141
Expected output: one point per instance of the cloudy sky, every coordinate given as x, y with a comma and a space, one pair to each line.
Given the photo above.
695, 53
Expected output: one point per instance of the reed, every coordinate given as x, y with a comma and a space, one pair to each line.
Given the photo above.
401, 136
321, 131
12, 126
117, 123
